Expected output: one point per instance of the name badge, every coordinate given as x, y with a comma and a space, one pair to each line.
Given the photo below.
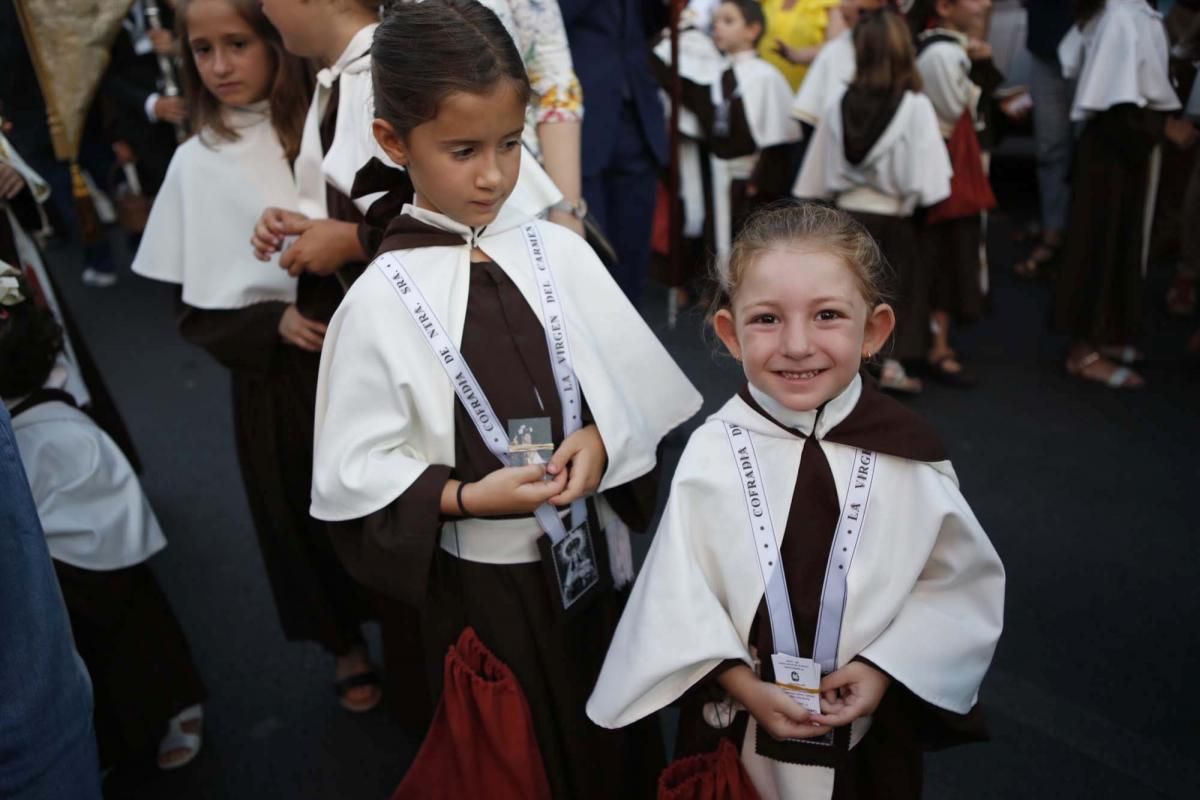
800, 678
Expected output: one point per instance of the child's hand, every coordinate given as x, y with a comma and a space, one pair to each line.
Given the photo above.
269, 231
11, 182
170, 109
582, 457
778, 714
300, 331
851, 692
323, 247
511, 490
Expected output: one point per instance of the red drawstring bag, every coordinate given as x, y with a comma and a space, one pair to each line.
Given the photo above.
708, 776
481, 741
660, 235
970, 191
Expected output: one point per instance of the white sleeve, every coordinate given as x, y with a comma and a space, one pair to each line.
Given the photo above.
944, 72
813, 181
928, 165
941, 643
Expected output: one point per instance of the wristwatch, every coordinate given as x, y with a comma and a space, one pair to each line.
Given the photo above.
577, 210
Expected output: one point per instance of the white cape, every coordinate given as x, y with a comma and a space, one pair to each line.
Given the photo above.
1120, 56
924, 594
88, 498
766, 97
945, 71
354, 144
830, 73
66, 375
214, 192
909, 161
385, 408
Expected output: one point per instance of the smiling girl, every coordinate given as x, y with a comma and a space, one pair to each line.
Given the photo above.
247, 98
438, 355
757, 595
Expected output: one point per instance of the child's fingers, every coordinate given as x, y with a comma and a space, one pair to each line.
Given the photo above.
838, 720
293, 226
562, 456
836, 680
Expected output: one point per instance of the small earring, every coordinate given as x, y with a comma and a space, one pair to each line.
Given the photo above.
867, 356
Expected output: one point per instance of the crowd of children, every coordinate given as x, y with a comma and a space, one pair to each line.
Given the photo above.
396, 281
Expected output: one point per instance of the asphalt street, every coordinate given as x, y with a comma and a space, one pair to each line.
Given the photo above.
1089, 495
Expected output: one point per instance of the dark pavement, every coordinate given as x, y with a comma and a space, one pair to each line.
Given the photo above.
1087, 493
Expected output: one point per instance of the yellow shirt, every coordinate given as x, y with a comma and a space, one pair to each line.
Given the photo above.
802, 25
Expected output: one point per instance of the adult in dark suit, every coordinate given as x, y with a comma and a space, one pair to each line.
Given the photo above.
624, 136
145, 117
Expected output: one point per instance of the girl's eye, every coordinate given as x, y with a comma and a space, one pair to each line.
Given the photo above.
829, 315
509, 145
199, 49
764, 319
463, 154
238, 44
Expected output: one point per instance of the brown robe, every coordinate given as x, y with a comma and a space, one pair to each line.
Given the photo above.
1099, 292
396, 550
887, 763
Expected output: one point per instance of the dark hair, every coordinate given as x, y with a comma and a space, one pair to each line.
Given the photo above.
1086, 9
290, 91
424, 52
884, 54
752, 13
30, 339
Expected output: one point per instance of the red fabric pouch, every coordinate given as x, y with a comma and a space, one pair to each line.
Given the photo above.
970, 191
709, 776
481, 742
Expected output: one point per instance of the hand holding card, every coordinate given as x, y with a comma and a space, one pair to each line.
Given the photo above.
511, 490
851, 692
583, 458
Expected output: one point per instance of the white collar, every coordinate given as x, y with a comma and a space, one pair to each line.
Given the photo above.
351, 58
957, 36
831, 414
742, 57
509, 217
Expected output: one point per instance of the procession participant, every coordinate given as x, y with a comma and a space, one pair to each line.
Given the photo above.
475, 298
816, 565
833, 68
247, 99
878, 154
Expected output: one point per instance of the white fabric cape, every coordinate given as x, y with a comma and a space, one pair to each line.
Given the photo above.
354, 144
66, 375
385, 408
830, 73
198, 232
909, 161
89, 501
1120, 56
945, 73
924, 592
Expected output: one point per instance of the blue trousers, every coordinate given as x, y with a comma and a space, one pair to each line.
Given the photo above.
620, 197
1052, 132
47, 748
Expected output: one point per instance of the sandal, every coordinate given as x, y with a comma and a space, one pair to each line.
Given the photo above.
182, 741
1115, 378
343, 687
894, 378
1039, 257
1127, 354
959, 378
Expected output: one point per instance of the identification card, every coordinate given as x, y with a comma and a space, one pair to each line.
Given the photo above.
571, 566
530, 441
800, 678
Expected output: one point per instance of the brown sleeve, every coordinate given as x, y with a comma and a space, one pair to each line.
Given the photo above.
771, 173
391, 550
242, 338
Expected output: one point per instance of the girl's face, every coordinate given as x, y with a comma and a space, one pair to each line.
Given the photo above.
731, 33
464, 162
800, 325
234, 63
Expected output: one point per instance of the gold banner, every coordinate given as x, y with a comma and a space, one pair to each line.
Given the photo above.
69, 42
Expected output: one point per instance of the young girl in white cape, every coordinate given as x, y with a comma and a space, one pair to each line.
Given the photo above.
757, 588
247, 98
473, 297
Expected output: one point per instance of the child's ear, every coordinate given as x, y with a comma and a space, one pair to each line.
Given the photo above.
880, 324
726, 330
390, 141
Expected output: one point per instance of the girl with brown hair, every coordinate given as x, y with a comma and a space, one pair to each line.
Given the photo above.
247, 98
878, 154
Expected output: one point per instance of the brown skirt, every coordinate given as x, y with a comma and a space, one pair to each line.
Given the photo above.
555, 662
950, 251
909, 289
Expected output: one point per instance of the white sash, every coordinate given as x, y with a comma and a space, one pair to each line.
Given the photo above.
466, 385
841, 553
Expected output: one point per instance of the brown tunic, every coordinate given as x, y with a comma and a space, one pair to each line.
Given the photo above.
274, 393
886, 764
396, 550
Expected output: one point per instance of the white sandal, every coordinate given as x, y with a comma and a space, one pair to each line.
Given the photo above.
179, 739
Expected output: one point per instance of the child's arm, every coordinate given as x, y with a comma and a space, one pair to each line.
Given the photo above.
508, 490
780, 715
851, 692
324, 246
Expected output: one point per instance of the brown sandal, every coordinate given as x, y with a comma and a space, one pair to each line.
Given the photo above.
1116, 378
